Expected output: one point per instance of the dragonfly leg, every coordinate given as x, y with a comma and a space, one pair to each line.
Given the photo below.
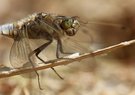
38, 50
60, 49
29, 57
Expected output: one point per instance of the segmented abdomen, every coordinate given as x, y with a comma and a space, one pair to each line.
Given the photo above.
7, 30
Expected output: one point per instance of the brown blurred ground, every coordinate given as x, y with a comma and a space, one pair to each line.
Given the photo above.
102, 76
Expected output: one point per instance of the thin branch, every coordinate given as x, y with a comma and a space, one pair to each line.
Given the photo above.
56, 62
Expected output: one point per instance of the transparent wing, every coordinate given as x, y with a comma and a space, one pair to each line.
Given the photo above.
20, 50
88, 38
81, 42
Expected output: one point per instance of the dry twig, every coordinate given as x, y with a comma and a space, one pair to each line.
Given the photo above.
13, 72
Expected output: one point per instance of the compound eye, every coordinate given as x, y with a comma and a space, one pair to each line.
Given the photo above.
71, 32
66, 24
75, 24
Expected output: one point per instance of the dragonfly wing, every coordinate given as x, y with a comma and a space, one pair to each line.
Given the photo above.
81, 42
20, 50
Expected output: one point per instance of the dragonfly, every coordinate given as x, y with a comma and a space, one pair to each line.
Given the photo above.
45, 26
37, 26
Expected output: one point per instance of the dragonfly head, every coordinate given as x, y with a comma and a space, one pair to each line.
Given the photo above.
70, 26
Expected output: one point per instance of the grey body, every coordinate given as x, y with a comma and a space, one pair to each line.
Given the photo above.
40, 26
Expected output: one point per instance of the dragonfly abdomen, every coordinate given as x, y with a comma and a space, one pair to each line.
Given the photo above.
7, 30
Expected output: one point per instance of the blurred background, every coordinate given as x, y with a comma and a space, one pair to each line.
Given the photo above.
109, 74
